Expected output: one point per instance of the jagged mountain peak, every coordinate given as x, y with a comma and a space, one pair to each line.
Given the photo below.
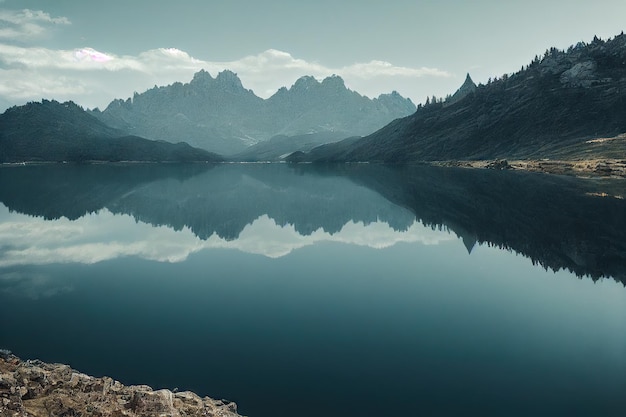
202, 77
230, 80
468, 83
309, 83
466, 88
334, 81
304, 83
117, 104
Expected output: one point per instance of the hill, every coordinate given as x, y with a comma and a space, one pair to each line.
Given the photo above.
53, 132
220, 115
566, 105
279, 147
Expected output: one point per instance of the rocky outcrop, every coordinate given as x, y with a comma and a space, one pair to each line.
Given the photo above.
36, 389
466, 89
580, 75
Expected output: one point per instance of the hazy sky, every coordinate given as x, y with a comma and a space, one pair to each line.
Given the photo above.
92, 52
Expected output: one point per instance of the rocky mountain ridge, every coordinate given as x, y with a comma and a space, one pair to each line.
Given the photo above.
220, 115
556, 107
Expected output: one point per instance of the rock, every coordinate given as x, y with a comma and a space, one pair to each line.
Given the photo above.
603, 168
38, 389
580, 75
553, 65
466, 89
498, 164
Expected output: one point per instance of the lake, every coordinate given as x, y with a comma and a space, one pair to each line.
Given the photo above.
355, 290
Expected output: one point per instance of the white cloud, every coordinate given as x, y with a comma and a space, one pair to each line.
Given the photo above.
94, 78
103, 236
85, 59
172, 59
381, 68
20, 24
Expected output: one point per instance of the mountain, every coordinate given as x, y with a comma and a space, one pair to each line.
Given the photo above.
567, 105
220, 115
53, 131
279, 147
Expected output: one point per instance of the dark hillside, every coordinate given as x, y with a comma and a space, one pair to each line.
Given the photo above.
555, 104
53, 132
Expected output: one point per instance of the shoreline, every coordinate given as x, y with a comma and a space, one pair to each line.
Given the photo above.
37, 389
586, 168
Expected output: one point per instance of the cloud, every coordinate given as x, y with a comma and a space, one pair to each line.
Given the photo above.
171, 59
94, 78
15, 86
259, 70
84, 59
20, 24
103, 236
382, 68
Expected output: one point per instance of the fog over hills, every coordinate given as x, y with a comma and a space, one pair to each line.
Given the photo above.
219, 114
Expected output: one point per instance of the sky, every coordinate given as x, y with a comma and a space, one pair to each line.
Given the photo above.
93, 52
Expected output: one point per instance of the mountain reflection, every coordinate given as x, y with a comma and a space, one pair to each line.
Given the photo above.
558, 222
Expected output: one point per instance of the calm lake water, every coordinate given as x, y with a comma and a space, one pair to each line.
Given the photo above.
306, 291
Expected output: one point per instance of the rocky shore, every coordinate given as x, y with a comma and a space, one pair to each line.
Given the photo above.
36, 389
582, 168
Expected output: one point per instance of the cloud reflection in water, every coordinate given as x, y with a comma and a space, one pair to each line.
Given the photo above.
103, 235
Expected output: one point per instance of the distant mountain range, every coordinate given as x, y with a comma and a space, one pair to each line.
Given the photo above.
210, 113
54, 132
279, 147
220, 115
566, 105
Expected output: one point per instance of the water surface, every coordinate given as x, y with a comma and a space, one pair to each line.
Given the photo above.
336, 291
